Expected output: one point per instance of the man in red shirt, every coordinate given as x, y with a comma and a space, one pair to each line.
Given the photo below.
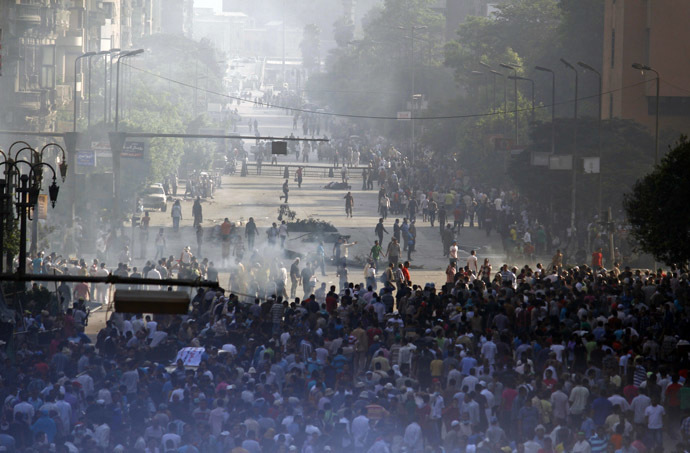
673, 400
406, 271
597, 258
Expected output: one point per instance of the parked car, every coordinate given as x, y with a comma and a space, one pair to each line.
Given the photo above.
153, 197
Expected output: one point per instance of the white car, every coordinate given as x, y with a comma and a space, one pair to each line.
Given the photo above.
153, 197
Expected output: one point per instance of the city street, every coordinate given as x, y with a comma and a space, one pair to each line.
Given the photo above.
257, 196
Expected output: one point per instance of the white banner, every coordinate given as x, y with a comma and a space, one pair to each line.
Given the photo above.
190, 356
591, 164
540, 159
564, 162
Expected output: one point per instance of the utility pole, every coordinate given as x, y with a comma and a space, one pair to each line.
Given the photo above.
574, 158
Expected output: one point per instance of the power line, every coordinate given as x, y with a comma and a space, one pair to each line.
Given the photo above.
373, 117
674, 86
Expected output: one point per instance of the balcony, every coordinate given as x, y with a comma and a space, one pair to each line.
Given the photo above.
28, 15
70, 41
28, 100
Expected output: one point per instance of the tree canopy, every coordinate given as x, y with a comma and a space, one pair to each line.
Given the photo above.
658, 210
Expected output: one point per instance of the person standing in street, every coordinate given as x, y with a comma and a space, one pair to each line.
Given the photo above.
349, 204
283, 233
375, 252
411, 239
433, 208
160, 244
472, 263
286, 191
199, 239
294, 277
196, 212
321, 258
384, 205
380, 229
102, 287
176, 214
298, 177
344, 248
250, 232
307, 280
396, 230
144, 235
442, 217
393, 252
404, 230
453, 254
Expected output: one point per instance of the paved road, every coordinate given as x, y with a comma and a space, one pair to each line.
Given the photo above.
257, 196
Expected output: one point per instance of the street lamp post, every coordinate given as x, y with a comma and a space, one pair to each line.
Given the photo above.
115, 53
493, 106
117, 83
644, 68
505, 94
88, 115
532, 84
3, 215
587, 67
74, 92
573, 201
514, 69
412, 29
26, 194
553, 105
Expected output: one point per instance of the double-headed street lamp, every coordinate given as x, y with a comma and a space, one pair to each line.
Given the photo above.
27, 188
532, 83
643, 68
115, 52
589, 68
131, 53
553, 105
88, 115
412, 29
574, 158
106, 95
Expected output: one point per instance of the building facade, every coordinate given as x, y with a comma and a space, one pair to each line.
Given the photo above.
40, 41
654, 33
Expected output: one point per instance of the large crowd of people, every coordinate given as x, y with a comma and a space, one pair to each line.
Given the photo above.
536, 359
574, 360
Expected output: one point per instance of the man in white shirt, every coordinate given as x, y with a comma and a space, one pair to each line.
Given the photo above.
153, 273
360, 429
655, 422
102, 287
472, 262
579, 396
489, 351
638, 405
412, 439
453, 254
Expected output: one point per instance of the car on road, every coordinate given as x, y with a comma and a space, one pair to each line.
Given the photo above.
153, 197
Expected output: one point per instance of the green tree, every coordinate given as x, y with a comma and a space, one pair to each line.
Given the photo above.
625, 156
373, 75
311, 48
658, 209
